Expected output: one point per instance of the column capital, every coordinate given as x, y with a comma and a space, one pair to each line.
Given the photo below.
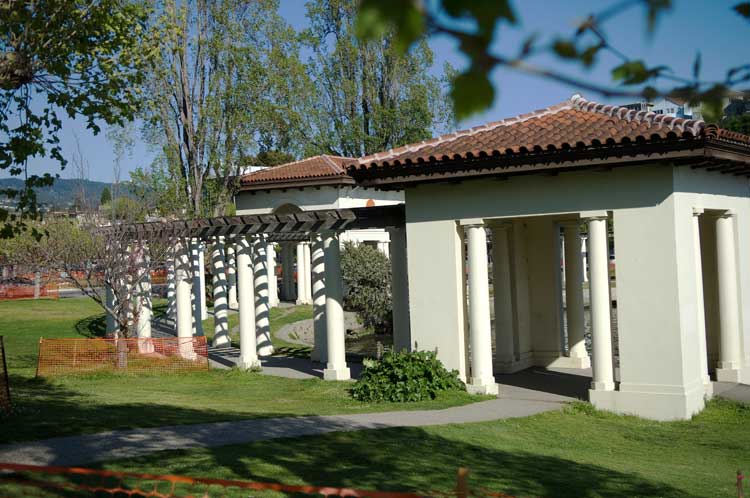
593, 215
697, 211
729, 213
471, 222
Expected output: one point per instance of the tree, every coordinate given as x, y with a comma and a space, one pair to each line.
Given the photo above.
105, 197
477, 26
368, 95
366, 274
740, 124
91, 258
78, 57
220, 85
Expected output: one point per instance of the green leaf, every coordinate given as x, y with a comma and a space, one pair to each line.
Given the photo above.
472, 92
697, 65
376, 17
565, 49
743, 9
635, 72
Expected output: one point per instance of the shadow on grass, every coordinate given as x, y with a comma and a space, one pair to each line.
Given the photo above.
92, 326
404, 459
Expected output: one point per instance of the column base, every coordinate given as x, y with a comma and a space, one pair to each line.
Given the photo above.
265, 350
337, 374
730, 374
602, 386
249, 364
708, 389
655, 402
572, 362
482, 387
221, 341
302, 301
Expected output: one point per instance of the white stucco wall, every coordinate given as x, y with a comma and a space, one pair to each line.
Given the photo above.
652, 211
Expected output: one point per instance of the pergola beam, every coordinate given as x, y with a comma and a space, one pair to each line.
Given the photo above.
293, 226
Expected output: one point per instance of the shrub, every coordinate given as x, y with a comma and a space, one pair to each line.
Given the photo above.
366, 273
403, 376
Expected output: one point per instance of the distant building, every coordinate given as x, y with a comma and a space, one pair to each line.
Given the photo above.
671, 106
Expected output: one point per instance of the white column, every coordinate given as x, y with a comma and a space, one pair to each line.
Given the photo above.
384, 248
202, 278
301, 273
196, 258
231, 271
246, 297
730, 354
182, 290
335, 329
262, 319
308, 273
584, 255
287, 271
221, 312
700, 319
273, 293
171, 299
143, 293
109, 296
603, 375
574, 311
504, 335
480, 329
400, 290
320, 349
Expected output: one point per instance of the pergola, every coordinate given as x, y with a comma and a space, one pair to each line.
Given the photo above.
252, 239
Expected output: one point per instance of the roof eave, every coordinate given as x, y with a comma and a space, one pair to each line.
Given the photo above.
297, 183
393, 177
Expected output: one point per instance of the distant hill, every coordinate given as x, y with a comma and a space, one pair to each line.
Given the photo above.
63, 192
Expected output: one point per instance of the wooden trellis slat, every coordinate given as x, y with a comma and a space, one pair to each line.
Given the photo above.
293, 226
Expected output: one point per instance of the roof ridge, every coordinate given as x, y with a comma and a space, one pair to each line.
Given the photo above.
447, 137
693, 126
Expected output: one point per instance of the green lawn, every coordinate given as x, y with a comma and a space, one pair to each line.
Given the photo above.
74, 405
575, 453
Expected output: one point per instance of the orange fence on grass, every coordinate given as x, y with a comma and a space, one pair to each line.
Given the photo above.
136, 355
15, 291
31, 480
4, 382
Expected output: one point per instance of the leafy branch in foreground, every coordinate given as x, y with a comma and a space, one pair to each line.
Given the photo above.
60, 57
474, 25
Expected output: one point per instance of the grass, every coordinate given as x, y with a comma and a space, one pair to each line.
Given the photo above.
577, 452
93, 403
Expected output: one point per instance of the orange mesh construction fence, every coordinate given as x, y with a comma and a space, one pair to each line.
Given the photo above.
31, 480
136, 355
14, 291
4, 382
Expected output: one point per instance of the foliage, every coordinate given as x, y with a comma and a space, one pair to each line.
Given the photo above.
223, 83
367, 96
740, 124
366, 273
159, 189
78, 57
91, 259
125, 209
405, 376
273, 158
478, 26
106, 196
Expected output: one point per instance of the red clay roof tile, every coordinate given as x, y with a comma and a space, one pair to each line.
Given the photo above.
571, 124
316, 167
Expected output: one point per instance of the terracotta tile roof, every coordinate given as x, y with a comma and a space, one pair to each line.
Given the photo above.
572, 125
314, 169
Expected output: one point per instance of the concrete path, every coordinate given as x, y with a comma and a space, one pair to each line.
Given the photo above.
86, 449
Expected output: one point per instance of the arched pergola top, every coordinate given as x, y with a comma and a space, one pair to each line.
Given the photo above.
278, 226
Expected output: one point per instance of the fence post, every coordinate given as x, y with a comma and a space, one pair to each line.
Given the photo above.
6, 380
462, 483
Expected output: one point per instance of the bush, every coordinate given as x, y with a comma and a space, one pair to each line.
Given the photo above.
402, 376
367, 282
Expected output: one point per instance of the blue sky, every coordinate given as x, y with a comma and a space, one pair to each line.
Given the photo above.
710, 27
